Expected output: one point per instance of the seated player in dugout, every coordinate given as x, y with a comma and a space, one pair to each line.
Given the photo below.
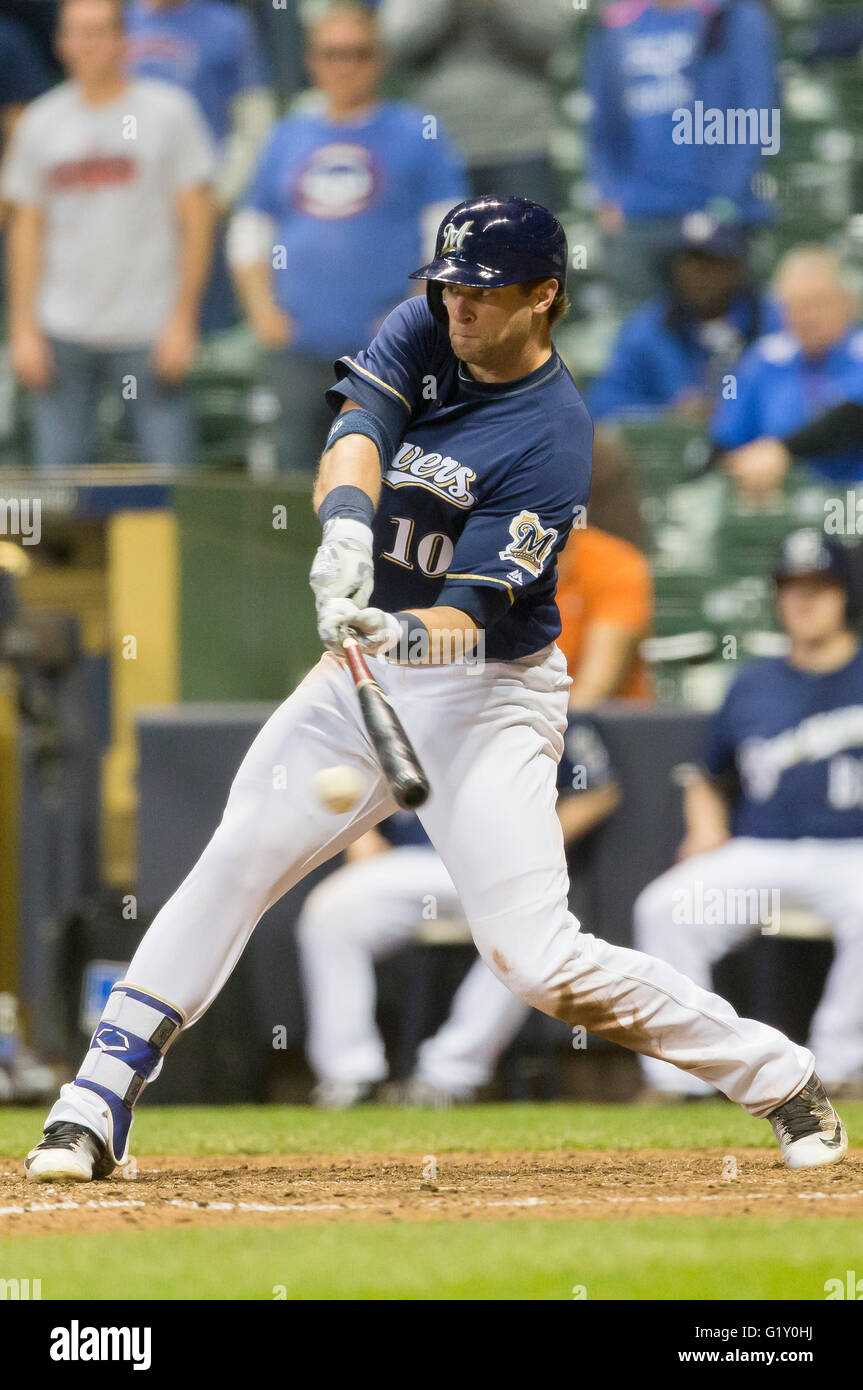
459, 458
774, 818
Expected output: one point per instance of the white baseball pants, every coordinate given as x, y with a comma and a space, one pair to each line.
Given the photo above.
365, 911
676, 919
490, 738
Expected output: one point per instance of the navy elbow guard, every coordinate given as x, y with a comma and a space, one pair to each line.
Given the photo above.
363, 422
484, 603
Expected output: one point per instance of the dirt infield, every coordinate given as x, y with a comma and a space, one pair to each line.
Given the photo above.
269, 1190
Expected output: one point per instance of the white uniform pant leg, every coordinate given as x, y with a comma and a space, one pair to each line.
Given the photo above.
835, 883
272, 833
665, 925
491, 743
361, 912
483, 1020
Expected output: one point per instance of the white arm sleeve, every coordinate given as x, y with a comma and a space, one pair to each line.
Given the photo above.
250, 238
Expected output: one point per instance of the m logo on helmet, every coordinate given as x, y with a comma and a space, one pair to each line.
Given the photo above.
531, 545
453, 238
805, 548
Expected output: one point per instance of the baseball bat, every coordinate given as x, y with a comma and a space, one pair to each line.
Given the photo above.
396, 755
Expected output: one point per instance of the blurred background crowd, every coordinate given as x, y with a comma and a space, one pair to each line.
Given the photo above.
202, 204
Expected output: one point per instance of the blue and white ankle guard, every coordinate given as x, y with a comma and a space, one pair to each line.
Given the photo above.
126, 1051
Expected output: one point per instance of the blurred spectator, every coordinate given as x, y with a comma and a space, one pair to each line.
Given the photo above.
212, 50
778, 803
338, 213
109, 246
379, 901
647, 61
799, 393
671, 354
605, 598
483, 66
23, 76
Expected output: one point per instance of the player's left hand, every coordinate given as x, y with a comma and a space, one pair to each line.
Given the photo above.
375, 630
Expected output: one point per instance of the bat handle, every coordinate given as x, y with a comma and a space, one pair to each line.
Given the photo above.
354, 657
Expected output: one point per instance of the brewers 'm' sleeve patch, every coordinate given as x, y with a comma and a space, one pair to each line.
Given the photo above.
531, 545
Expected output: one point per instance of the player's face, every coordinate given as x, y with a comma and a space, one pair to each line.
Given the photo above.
90, 40
490, 329
811, 608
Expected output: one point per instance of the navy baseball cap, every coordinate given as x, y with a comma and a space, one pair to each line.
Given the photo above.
809, 552
704, 235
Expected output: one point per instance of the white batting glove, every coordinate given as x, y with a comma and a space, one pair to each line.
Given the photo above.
375, 630
343, 566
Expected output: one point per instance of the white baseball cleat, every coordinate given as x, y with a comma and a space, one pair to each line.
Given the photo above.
809, 1131
68, 1153
342, 1095
417, 1092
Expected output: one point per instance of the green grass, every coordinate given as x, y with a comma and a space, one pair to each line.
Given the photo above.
299, 1129
666, 1257
653, 1257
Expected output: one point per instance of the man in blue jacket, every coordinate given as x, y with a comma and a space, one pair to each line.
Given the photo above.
798, 394
672, 354
660, 72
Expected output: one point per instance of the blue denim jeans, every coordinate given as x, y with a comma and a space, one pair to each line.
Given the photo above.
64, 416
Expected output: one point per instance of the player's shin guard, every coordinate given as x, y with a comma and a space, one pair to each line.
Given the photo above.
126, 1051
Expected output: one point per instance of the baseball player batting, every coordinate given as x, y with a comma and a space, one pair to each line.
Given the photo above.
459, 457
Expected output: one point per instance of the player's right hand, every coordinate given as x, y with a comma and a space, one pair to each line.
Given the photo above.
375, 630
343, 566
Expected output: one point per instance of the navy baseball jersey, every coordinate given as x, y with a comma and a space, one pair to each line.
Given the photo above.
483, 482
795, 740
585, 765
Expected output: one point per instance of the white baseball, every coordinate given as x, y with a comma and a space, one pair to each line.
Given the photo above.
338, 788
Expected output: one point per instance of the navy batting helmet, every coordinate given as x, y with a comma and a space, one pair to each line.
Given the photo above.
489, 242
810, 552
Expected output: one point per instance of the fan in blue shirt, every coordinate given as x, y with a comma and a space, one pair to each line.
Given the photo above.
346, 200
798, 394
649, 59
